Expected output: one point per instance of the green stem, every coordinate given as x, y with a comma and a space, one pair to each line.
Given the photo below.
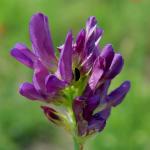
77, 145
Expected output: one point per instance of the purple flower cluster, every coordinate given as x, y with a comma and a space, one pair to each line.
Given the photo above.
83, 69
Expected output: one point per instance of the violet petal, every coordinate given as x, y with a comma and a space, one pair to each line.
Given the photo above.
41, 39
78, 106
65, 61
98, 35
80, 41
53, 84
117, 96
91, 105
91, 22
116, 67
24, 55
96, 125
40, 74
103, 114
28, 90
102, 91
108, 54
97, 72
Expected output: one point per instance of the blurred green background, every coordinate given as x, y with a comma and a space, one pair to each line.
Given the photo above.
23, 126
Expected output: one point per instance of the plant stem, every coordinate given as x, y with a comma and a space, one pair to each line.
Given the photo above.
77, 145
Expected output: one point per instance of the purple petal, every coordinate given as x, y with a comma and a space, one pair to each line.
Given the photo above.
98, 121
23, 54
91, 105
53, 84
90, 51
65, 61
40, 74
97, 72
91, 22
108, 54
88, 59
90, 35
41, 39
116, 67
117, 96
28, 90
80, 41
102, 91
90, 42
78, 106
98, 36
103, 114
96, 125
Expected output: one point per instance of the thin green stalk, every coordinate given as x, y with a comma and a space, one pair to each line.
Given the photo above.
77, 145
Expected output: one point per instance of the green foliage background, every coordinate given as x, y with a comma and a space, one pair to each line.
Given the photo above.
127, 26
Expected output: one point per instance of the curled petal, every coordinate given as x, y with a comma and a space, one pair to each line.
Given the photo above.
65, 61
116, 67
41, 39
53, 84
52, 115
40, 74
24, 55
108, 54
28, 90
116, 96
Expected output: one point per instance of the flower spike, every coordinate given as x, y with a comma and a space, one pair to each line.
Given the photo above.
75, 84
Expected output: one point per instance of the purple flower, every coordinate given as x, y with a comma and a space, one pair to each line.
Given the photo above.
93, 108
50, 75
78, 80
86, 48
41, 44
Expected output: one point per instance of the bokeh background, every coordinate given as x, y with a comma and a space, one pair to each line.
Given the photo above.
23, 126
